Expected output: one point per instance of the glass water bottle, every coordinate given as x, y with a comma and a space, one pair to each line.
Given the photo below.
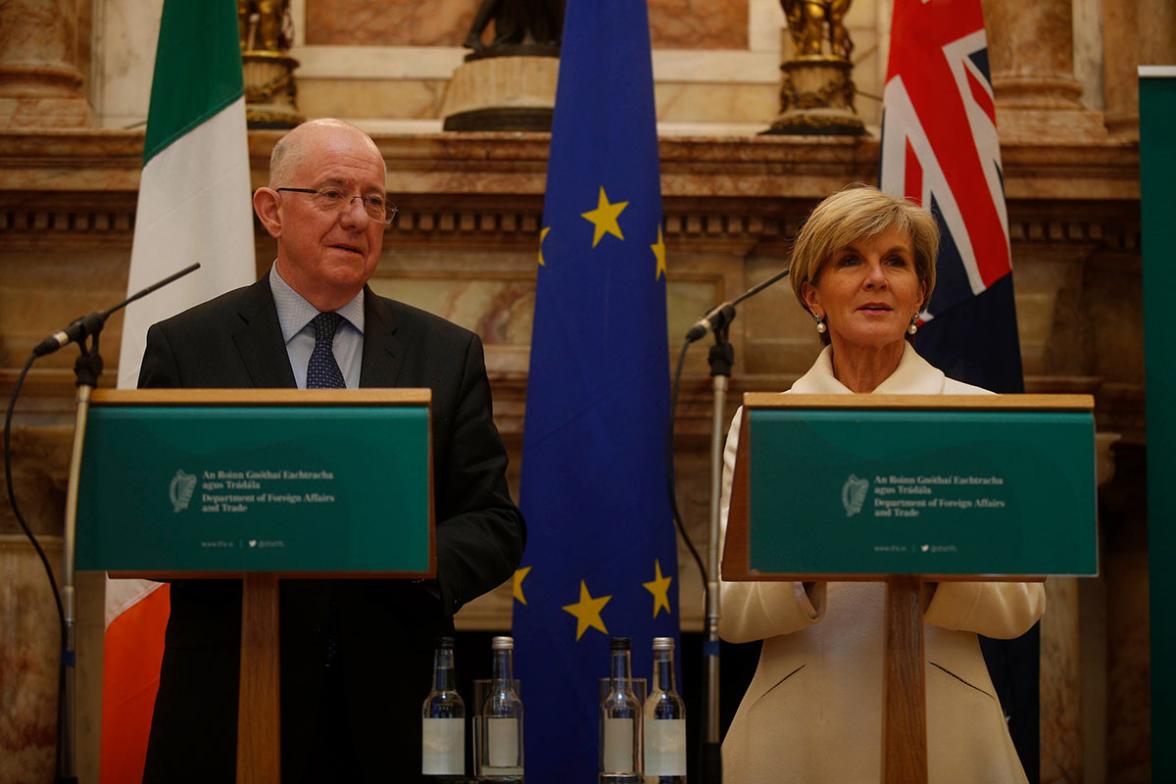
443, 720
665, 720
502, 719
620, 719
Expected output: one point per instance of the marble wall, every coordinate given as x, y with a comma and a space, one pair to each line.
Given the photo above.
395, 23
28, 664
674, 24
388, 65
125, 36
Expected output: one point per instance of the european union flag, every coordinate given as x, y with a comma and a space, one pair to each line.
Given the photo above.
601, 555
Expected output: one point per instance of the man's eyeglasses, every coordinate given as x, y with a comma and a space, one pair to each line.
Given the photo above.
334, 200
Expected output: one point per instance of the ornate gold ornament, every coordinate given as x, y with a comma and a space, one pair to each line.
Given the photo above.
817, 89
808, 20
271, 93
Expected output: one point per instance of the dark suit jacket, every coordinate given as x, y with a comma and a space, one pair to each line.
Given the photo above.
357, 719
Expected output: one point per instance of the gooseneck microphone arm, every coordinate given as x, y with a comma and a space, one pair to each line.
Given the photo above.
724, 314
81, 328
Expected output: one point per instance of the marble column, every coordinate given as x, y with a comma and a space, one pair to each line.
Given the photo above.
1134, 34
41, 85
1031, 53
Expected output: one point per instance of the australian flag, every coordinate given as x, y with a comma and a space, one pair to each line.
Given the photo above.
601, 556
940, 148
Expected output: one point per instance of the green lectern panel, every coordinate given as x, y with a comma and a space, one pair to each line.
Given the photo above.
282, 489
917, 492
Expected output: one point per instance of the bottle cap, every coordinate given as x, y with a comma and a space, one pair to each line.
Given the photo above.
619, 644
445, 642
663, 643
502, 644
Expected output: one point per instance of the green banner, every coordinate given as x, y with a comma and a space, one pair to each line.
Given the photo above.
922, 492
1157, 179
278, 489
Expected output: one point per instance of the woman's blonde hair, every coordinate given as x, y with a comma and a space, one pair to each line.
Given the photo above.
857, 213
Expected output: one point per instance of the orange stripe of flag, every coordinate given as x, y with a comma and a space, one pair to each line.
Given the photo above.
133, 653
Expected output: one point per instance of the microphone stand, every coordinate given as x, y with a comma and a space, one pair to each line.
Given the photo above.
721, 358
87, 368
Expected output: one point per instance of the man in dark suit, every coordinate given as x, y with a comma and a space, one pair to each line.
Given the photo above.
355, 655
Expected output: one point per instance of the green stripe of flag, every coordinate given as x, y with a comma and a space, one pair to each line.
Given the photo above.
197, 69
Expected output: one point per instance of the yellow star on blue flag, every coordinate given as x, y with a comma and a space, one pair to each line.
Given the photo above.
604, 218
517, 583
659, 586
542, 236
587, 611
659, 253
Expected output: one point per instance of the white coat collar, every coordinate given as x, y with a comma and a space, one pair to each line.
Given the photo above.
913, 376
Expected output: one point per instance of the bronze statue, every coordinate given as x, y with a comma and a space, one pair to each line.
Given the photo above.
807, 22
519, 26
271, 93
817, 89
265, 25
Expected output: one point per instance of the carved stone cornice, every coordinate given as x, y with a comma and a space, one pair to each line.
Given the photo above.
67, 161
81, 186
471, 165
72, 219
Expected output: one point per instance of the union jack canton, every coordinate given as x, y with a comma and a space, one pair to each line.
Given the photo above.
939, 142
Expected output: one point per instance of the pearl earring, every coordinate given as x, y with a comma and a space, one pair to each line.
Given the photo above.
913, 327
821, 326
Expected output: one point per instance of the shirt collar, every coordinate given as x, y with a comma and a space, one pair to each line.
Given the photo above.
294, 312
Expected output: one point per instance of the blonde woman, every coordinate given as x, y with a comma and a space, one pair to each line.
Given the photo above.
863, 266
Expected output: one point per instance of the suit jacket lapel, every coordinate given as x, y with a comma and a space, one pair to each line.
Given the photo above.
260, 339
383, 350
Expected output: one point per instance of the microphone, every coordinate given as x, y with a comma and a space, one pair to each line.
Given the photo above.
81, 328
78, 330
711, 322
718, 319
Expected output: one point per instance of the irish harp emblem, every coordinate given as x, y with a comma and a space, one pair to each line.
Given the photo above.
853, 494
180, 490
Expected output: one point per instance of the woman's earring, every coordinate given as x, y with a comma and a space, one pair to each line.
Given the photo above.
914, 326
821, 326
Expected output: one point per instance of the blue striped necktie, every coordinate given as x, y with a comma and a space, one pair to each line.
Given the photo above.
322, 372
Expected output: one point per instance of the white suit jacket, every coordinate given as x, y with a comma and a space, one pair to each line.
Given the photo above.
813, 712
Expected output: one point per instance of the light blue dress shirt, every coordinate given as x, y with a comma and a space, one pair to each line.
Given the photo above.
294, 317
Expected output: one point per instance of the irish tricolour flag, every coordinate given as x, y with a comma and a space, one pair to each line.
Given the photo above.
193, 206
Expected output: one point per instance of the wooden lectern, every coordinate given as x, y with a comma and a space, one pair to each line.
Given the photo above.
237, 483
1006, 491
